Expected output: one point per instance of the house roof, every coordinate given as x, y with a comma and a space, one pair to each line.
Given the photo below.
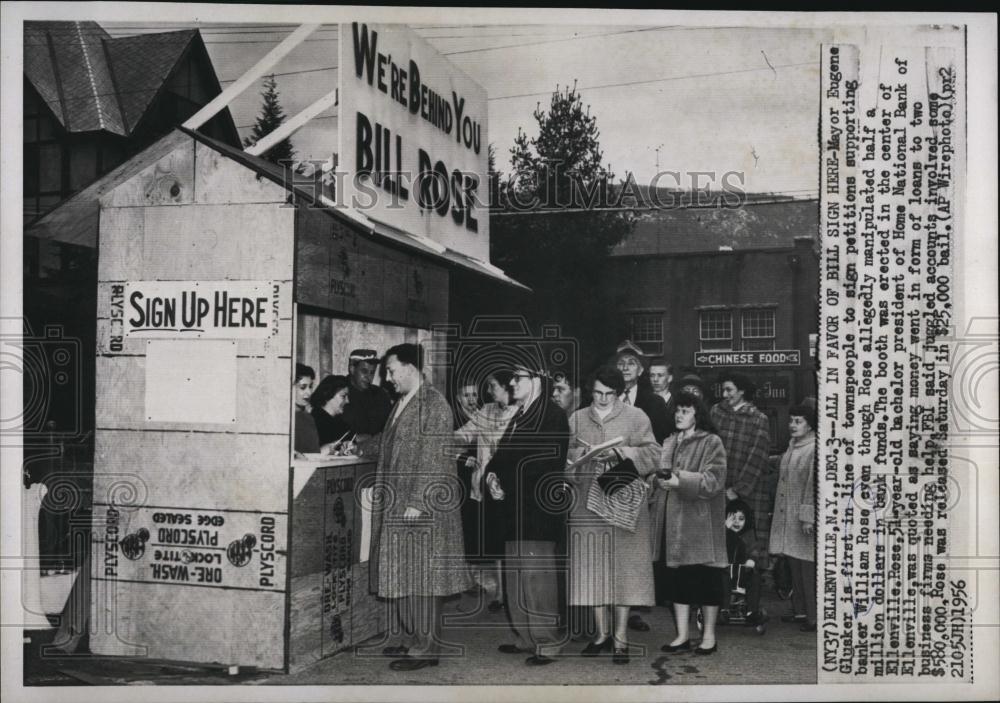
94, 82
753, 225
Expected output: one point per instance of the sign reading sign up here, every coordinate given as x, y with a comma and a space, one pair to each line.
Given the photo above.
781, 357
196, 309
413, 137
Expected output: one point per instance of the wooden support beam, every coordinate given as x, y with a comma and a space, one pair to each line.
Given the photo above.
247, 79
287, 128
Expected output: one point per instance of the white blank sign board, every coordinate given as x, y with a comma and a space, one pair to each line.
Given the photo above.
191, 381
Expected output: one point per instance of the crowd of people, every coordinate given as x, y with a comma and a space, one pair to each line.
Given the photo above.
573, 507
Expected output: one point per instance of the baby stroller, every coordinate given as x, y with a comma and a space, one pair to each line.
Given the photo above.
742, 589
737, 610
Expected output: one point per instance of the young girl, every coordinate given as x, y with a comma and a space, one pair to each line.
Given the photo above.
744, 577
795, 514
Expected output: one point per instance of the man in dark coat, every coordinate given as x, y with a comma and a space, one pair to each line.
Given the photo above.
524, 480
631, 362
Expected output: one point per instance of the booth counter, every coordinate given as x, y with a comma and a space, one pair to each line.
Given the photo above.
330, 607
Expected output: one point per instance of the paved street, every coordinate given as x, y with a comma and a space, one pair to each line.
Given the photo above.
781, 655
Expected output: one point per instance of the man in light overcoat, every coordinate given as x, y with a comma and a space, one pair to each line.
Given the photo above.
417, 551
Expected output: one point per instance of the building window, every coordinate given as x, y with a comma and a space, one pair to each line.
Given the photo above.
43, 161
647, 332
716, 329
757, 330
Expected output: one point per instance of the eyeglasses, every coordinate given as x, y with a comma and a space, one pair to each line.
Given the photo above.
519, 376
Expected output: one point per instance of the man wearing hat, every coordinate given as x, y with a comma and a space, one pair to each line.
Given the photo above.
369, 405
529, 461
632, 363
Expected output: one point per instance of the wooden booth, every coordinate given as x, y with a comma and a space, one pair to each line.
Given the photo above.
210, 543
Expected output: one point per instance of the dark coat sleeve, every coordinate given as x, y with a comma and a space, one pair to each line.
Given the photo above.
655, 408
529, 463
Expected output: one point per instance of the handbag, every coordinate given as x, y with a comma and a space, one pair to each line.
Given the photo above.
619, 476
619, 506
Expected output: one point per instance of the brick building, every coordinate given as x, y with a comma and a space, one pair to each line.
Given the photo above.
693, 283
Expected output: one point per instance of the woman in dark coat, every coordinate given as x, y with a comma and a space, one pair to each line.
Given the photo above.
695, 535
328, 402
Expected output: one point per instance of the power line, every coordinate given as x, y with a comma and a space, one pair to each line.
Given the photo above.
555, 41
322, 117
287, 73
662, 80
447, 53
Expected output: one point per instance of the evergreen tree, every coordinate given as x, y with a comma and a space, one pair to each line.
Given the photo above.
562, 253
271, 115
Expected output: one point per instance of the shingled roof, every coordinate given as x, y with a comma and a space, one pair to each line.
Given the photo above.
753, 225
92, 81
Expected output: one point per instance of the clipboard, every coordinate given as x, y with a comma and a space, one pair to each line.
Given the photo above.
594, 451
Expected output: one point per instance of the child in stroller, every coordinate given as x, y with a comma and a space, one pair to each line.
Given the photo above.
742, 605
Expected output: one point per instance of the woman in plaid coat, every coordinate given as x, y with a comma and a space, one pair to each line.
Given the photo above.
747, 439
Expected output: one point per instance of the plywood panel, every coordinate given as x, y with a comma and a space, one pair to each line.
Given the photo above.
371, 284
218, 242
309, 342
169, 181
314, 246
330, 607
219, 179
197, 469
394, 286
263, 396
326, 362
426, 295
121, 244
185, 623
279, 344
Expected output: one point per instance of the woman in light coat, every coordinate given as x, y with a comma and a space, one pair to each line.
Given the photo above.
693, 470
609, 566
485, 428
793, 524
